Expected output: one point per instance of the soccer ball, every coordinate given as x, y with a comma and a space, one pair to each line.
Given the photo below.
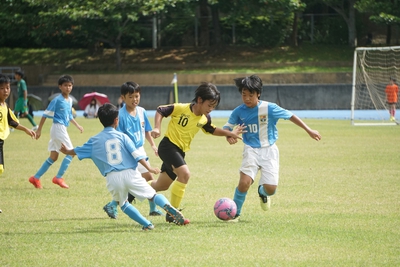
225, 209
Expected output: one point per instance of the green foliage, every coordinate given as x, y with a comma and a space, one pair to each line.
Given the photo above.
336, 205
381, 11
331, 30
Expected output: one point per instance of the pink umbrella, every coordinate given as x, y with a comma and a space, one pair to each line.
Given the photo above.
100, 98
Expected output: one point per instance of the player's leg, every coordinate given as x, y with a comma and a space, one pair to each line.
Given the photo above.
269, 166
1, 156
149, 179
35, 179
59, 135
176, 216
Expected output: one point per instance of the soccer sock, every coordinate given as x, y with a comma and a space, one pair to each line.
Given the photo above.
134, 214
46, 165
177, 193
64, 166
160, 200
239, 199
152, 204
31, 119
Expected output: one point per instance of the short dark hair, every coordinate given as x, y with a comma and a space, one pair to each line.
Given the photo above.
107, 114
252, 83
4, 79
20, 73
130, 88
65, 79
207, 91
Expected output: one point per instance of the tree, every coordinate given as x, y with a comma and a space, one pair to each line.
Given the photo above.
382, 12
106, 21
347, 10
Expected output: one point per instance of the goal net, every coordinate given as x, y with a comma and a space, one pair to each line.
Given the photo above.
372, 70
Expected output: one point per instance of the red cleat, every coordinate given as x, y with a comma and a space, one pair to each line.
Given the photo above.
60, 182
35, 182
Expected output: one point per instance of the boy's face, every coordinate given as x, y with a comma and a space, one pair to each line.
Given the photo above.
17, 77
66, 88
4, 91
249, 99
206, 106
131, 100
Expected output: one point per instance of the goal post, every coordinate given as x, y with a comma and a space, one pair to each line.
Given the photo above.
373, 67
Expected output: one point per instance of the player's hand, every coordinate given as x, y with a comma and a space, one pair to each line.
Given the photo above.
155, 170
155, 149
80, 128
315, 135
231, 140
63, 149
155, 133
38, 133
240, 129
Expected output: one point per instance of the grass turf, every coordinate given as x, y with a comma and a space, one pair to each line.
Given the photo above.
337, 204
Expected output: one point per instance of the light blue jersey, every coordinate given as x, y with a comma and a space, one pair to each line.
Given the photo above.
60, 110
260, 121
110, 151
134, 127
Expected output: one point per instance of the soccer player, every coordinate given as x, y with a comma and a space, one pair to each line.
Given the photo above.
392, 91
60, 110
21, 105
133, 121
186, 120
260, 151
8, 118
116, 157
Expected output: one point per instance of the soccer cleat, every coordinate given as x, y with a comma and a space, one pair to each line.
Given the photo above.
35, 182
156, 213
175, 215
265, 201
235, 219
60, 182
148, 227
35, 128
111, 211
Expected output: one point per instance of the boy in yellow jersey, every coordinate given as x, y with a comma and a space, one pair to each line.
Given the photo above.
7, 118
186, 120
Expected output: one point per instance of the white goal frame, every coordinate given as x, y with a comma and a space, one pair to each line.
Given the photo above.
382, 112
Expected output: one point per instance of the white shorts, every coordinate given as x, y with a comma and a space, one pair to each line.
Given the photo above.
122, 182
265, 159
58, 135
140, 167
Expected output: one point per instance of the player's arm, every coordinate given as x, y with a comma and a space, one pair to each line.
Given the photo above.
162, 111
39, 130
80, 128
145, 164
150, 139
67, 151
312, 133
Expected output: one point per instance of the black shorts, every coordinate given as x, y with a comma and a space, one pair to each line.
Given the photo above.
171, 155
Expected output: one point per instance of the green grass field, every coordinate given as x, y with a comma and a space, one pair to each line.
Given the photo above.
337, 204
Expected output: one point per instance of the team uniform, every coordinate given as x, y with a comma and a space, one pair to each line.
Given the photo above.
21, 104
135, 127
7, 119
182, 128
112, 152
60, 110
116, 157
391, 93
260, 151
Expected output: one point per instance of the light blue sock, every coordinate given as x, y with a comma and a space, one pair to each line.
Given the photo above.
153, 206
134, 214
46, 165
64, 166
239, 199
160, 200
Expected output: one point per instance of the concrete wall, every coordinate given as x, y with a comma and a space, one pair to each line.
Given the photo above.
293, 97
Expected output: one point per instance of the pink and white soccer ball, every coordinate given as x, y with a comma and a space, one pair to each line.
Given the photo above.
225, 209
